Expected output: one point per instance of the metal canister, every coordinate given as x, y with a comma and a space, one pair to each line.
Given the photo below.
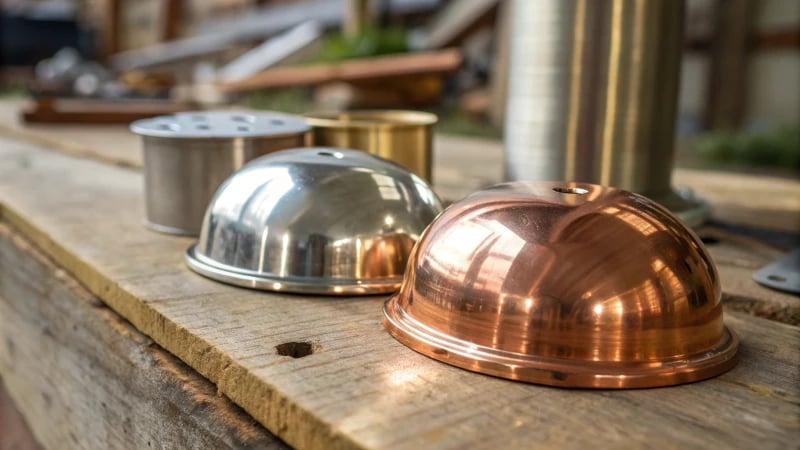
405, 137
593, 92
188, 155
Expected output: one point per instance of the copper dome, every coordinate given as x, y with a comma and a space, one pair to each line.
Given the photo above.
565, 284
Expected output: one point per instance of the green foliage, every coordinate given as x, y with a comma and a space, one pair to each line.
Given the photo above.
290, 100
371, 41
776, 148
12, 91
455, 122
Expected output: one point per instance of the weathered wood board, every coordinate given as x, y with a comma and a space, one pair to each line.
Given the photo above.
85, 378
360, 388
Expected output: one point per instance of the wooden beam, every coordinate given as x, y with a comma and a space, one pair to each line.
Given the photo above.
110, 29
94, 111
436, 62
172, 19
728, 74
83, 377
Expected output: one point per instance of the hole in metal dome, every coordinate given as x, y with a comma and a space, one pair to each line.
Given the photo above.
571, 190
336, 155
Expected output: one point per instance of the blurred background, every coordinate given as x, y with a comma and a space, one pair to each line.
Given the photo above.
99, 61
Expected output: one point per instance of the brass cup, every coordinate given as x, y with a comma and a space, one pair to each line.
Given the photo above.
405, 137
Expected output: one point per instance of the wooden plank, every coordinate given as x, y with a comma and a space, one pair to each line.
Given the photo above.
90, 111
85, 378
419, 63
360, 388
729, 59
173, 13
109, 39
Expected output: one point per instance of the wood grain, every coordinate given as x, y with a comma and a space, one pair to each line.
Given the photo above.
360, 388
85, 378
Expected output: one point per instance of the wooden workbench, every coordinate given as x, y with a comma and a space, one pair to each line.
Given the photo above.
108, 341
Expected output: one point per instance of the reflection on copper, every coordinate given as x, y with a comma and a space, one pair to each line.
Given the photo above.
566, 284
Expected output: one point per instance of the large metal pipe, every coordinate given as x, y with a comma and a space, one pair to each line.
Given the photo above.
593, 90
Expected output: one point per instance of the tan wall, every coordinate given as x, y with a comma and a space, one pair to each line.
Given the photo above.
773, 90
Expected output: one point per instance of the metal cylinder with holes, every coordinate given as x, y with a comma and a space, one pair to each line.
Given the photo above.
188, 155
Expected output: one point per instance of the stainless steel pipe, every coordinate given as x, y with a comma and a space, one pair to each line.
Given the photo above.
187, 156
593, 90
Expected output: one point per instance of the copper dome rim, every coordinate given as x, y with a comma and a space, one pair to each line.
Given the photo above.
559, 372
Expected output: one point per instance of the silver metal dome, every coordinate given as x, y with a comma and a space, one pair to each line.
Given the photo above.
314, 220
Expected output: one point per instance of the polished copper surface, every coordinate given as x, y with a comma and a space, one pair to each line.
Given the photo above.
566, 284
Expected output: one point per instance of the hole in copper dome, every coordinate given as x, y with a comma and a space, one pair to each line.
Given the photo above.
295, 349
571, 190
336, 155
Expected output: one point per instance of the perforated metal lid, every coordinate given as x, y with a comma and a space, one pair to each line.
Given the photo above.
221, 124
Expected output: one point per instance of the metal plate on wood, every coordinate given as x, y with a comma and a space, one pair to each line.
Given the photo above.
782, 274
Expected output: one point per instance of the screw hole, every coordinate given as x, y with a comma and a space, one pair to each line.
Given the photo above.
202, 127
247, 119
571, 190
709, 240
166, 127
777, 278
276, 122
295, 349
243, 128
336, 155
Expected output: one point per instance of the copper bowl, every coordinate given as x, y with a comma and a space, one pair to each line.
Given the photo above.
565, 284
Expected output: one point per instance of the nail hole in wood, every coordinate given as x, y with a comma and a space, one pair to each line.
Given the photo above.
295, 349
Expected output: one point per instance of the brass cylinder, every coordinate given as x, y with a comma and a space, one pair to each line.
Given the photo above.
405, 137
593, 93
